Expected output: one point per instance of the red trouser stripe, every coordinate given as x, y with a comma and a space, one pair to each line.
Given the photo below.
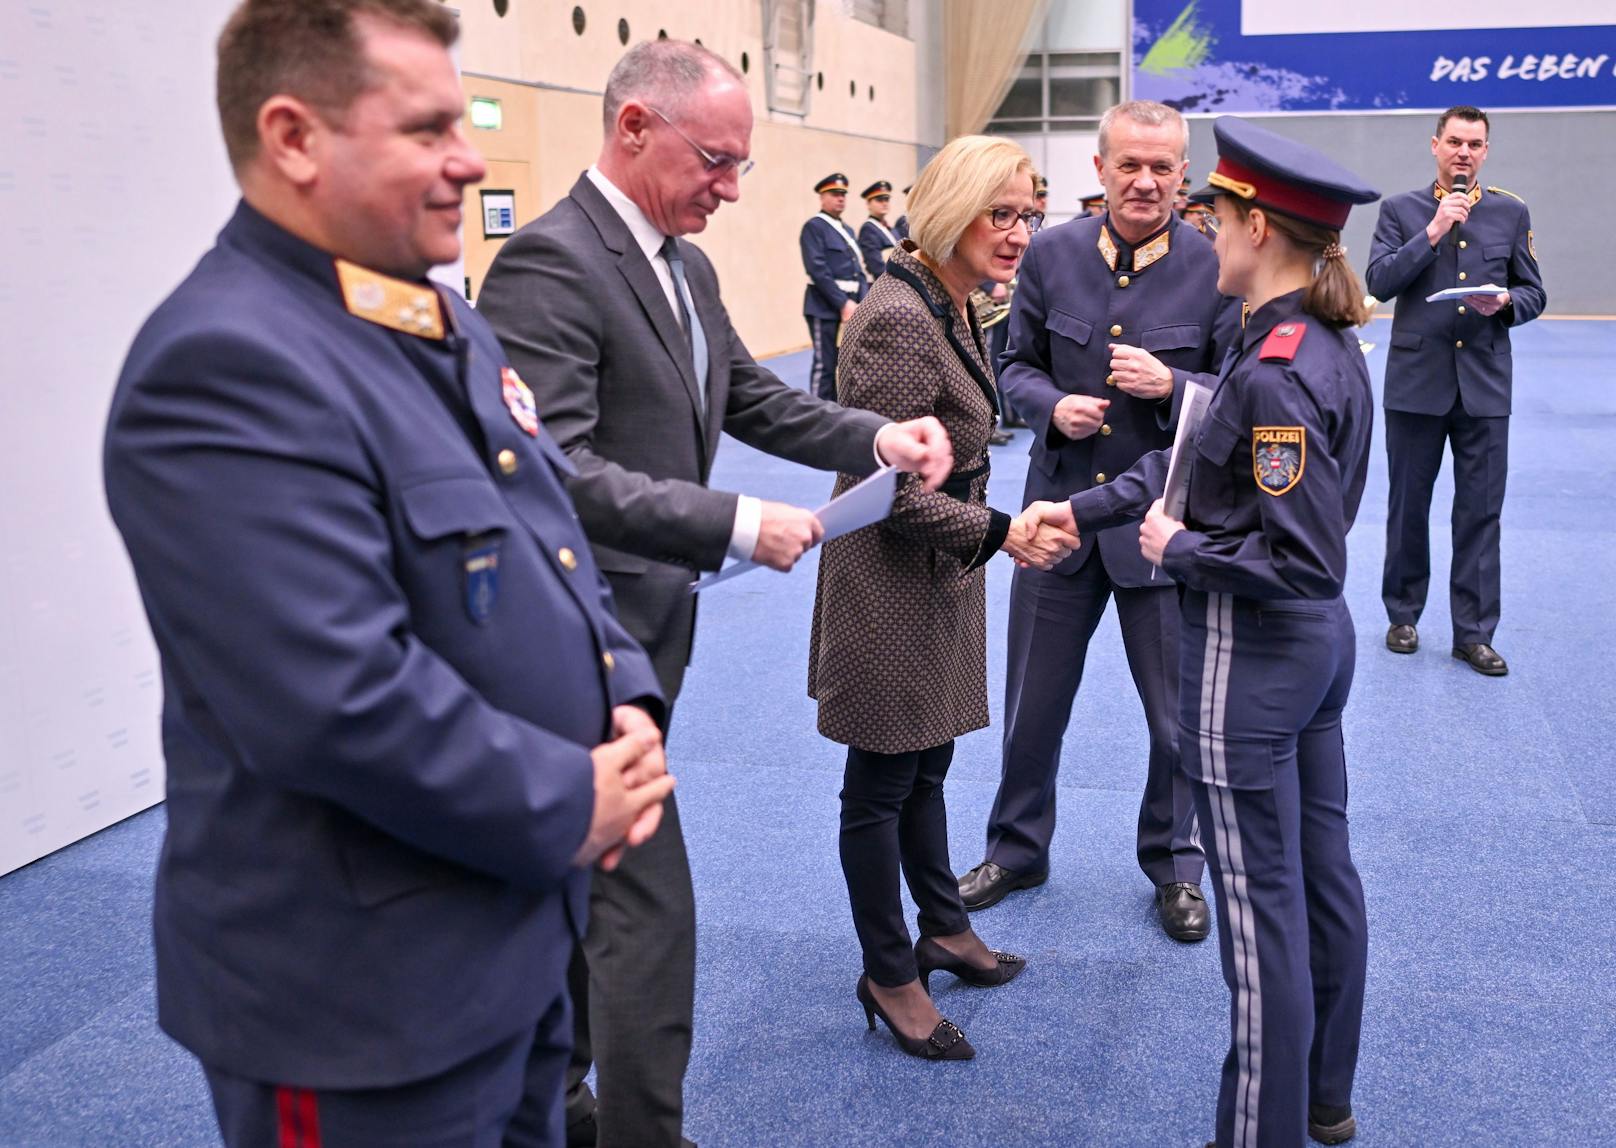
298, 1118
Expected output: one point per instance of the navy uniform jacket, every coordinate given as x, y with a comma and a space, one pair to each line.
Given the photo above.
1443, 349
377, 743
875, 242
1279, 468
834, 274
1068, 302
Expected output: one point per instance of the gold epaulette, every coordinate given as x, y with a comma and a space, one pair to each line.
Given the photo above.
1501, 191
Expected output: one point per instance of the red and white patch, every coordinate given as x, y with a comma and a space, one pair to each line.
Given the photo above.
519, 401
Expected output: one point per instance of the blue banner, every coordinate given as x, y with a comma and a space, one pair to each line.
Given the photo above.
1255, 56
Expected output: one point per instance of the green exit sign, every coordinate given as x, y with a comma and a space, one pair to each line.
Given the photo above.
487, 114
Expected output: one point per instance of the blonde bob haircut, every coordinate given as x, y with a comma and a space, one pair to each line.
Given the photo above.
960, 183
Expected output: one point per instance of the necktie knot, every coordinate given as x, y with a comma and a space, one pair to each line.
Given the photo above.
670, 251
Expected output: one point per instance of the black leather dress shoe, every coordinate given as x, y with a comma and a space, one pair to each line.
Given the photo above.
1182, 908
988, 884
1402, 639
1482, 658
583, 1134
1330, 1124
1000, 438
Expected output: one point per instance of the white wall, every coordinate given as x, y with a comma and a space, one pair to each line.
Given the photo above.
113, 181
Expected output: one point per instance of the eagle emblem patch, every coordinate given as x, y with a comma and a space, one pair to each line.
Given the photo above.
1278, 455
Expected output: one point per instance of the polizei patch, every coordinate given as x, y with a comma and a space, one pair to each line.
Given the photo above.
1278, 455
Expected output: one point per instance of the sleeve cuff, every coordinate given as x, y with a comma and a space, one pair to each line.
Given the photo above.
998, 531
743, 537
875, 446
1177, 557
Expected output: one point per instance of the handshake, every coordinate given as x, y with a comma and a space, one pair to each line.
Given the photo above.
1042, 535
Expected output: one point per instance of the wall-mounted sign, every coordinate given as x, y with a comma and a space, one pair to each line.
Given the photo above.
487, 114
1217, 56
499, 213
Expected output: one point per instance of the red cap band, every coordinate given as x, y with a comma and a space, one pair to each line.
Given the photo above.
1288, 197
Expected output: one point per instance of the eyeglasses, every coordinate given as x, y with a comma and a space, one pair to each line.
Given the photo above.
716, 164
1004, 218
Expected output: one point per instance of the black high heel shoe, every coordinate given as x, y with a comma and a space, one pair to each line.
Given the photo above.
932, 957
946, 1041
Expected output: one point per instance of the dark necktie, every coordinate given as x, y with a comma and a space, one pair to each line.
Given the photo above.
687, 317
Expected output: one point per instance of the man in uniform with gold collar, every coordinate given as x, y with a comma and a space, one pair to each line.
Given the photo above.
1111, 317
401, 723
830, 256
1448, 375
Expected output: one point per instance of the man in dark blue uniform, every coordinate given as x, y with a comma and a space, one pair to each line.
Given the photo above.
1111, 318
400, 721
875, 239
901, 228
1448, 375
830, 256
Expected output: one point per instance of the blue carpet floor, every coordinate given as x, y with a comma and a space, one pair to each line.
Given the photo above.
1482, 824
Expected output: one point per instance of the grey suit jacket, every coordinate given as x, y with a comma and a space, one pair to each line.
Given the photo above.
587, 325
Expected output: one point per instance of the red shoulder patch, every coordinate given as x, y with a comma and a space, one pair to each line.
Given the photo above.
1282, 341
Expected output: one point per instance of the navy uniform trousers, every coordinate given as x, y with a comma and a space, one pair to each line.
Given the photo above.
1414, 444
1260, 737
826, 336
1052, 619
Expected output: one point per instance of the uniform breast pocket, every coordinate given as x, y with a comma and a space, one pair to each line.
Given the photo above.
1068, 342
1212, 482
1172, 343
459, 524
1497, 257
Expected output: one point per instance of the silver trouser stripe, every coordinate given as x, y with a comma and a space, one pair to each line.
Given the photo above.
1226, 831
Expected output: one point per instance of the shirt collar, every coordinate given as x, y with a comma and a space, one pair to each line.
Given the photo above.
1265, 318
1119, 253
647, 236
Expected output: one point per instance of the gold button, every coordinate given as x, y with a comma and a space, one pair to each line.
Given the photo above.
507, 462
1122, 280
608, 661
1116, 328
1458, 343
1461, 308
568, 559
1464, 243
1463, 276
1110, 381
1105, 428
1100, 477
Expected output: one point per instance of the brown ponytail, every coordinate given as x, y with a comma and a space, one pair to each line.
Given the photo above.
1335, 296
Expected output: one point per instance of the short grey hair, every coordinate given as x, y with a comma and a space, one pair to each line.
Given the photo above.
662, 73
1151, 115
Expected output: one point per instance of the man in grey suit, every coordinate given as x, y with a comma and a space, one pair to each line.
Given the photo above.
618, 327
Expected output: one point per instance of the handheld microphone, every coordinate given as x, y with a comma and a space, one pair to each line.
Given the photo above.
1461, 186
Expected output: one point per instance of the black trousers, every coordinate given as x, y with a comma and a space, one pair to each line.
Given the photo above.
1052, 619
893, 817
472, 1105
823, 333
1414, 446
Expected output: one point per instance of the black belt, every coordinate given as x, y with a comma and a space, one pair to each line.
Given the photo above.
958, 484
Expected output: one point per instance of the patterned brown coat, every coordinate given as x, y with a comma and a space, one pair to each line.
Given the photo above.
898, 654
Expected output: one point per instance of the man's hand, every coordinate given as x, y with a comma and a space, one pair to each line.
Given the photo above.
1156, 533
1038, 537
1453, 209
785, 534
919, 446
1488, 304
1139, 373
1078, 416
631, 783
847, 309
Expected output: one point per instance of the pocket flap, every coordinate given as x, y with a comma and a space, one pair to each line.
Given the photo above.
1174, 338
459, 504
1406, 340
1496, 251
1216, 440
1075, 329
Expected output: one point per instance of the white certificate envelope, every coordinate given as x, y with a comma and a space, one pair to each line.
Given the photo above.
864, 505
1461, 292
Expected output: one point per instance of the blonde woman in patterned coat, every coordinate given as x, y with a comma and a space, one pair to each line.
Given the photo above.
899, 649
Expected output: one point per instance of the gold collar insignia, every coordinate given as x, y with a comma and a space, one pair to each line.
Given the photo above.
1142, 256
391, 303
1439, 194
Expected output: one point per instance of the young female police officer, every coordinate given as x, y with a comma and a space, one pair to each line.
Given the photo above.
1267, 642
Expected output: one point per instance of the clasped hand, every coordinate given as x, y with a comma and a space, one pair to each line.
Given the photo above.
1042, 535
631, 783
